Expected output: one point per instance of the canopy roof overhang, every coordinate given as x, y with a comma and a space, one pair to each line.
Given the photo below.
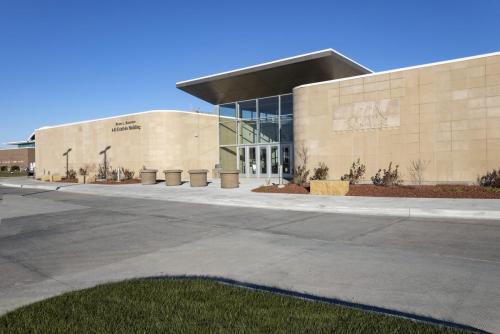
273, 78
30, 140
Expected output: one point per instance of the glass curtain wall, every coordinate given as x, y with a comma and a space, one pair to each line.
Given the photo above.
245, 125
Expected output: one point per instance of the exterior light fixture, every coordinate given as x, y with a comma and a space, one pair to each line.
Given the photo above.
103, 152
66, 154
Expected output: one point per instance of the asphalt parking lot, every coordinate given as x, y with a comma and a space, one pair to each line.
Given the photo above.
51, 242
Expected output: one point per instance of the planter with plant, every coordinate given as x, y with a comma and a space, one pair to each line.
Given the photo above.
148, 176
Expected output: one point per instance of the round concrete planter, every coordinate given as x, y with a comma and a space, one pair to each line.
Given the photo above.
173, 177
198, 177
148, 176
229, 178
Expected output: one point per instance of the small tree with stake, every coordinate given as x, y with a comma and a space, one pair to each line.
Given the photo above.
105, 161
301, 173
66, 154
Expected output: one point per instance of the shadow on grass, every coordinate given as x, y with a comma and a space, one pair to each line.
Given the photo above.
311, 297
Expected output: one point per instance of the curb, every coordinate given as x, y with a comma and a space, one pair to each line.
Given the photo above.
12, 185
408, 212
461, 214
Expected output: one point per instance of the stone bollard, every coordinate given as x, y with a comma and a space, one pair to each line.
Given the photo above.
173, 177
229, 178
148, 176
198, 177
329, 187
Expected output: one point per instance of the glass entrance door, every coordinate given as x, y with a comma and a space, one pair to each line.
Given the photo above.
286, 160
242, 161
274, 160
264, 160
252, 161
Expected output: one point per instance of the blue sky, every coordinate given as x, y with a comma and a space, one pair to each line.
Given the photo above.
65, 61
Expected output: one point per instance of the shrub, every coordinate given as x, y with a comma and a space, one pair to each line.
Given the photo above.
15, 169
4, 169
389, 177
320, 173
71, 174
114, 174
128, 174
490, 179
417, 169
301, 173
102, 172
355, 173
84, 171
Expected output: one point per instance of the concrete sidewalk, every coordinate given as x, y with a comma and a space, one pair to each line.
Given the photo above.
213, 194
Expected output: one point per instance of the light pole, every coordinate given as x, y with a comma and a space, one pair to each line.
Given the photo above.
105, 162
66, 154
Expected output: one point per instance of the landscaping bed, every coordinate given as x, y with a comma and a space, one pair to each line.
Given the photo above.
197, 306
131, 181
289, 188
431, 191
68, 181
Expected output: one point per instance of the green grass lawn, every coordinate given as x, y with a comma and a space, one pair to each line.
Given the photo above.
196, 306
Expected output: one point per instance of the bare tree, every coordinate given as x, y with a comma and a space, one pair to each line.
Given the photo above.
417, 169
301, 173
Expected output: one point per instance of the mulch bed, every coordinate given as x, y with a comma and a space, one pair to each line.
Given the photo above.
68, 181
287, 189
370, 190
434, 191
131, 181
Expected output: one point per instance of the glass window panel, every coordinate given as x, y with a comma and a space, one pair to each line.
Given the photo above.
243, 166
248, 109
268, 107
248, 132
252, 158
269, 130
263, 160
227, 110
285, 159
274, 160
286, 133
227, 131
287, 104
228, 157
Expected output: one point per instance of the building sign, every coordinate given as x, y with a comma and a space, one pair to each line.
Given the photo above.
125, 126
367, 115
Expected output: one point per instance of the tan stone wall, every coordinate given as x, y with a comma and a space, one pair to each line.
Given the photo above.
17, 157
447, 114
165, 140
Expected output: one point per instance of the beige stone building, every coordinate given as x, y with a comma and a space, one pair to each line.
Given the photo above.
445, 115
163, 139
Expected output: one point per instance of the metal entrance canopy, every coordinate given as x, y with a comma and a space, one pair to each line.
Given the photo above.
273, 78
